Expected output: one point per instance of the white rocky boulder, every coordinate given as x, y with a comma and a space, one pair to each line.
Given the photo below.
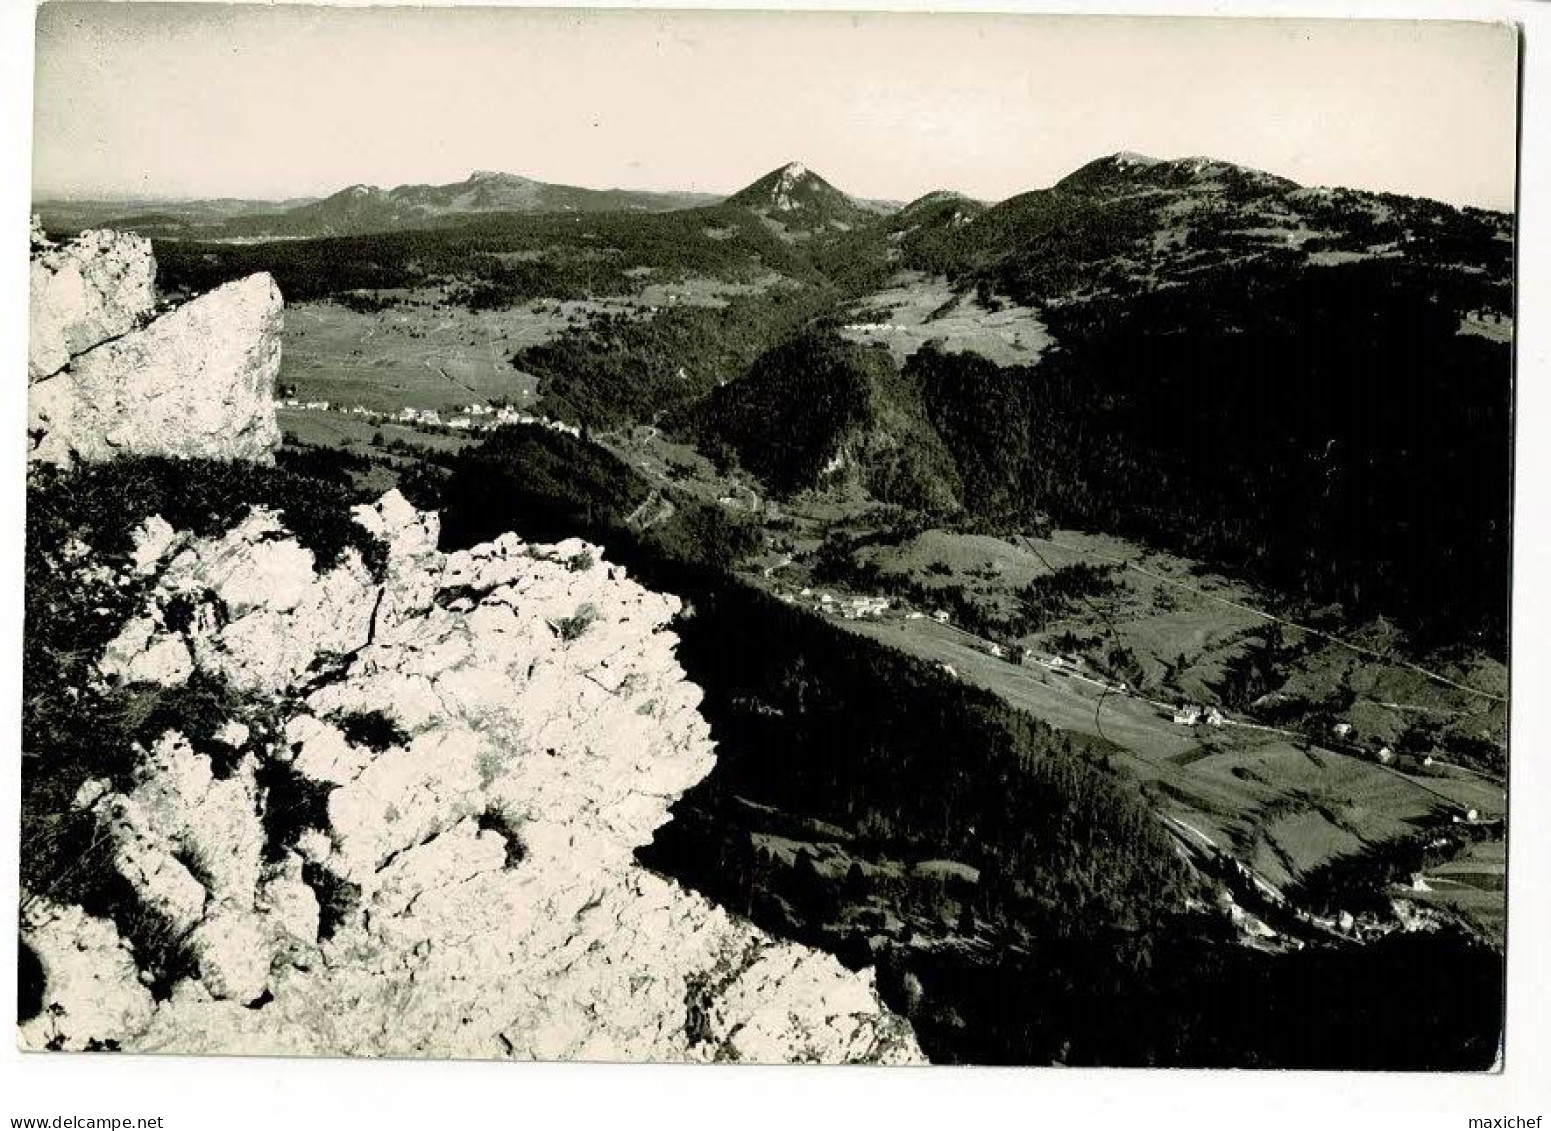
92, 992
458, 877
95, 287
195, 382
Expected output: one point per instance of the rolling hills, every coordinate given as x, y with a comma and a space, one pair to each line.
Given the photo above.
360, 209
1310, 386
366, 208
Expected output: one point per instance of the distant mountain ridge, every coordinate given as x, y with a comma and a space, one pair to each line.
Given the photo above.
361, 209
152, 215
792, 200
366, 207
1137, 169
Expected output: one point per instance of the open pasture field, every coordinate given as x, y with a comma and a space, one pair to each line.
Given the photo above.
1280, 802
1472, 884
694, 290
1286, 808
1171, 631
917, 309
425, 352
1170, 612
1192, 632
1183, 624
409, 356
1281, 808
941, 557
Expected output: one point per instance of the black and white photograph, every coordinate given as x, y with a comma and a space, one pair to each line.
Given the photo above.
806, 537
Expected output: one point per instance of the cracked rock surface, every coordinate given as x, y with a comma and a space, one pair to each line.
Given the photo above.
95, 287
418, 838
107, 378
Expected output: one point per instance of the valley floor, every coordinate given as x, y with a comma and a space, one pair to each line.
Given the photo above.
1266, 796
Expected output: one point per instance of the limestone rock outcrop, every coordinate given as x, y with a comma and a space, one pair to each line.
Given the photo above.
94, 994
97, 286
107, 378
416, 838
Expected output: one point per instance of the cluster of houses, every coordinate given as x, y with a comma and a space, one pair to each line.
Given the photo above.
851, 608
1384, 754
469, 418
1190, 715
1257, 893
1404, 915
877, 328
1062, 663
864, 607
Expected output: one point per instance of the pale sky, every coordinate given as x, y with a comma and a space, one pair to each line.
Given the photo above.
268, 101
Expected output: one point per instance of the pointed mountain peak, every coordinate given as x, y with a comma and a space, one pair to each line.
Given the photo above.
794, 189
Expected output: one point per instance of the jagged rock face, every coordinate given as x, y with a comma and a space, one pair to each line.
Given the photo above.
461, 884
197, 381
97, 286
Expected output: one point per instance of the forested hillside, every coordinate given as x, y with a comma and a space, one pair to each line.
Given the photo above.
1311, 387
821, 411
1326, 430
618, 370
